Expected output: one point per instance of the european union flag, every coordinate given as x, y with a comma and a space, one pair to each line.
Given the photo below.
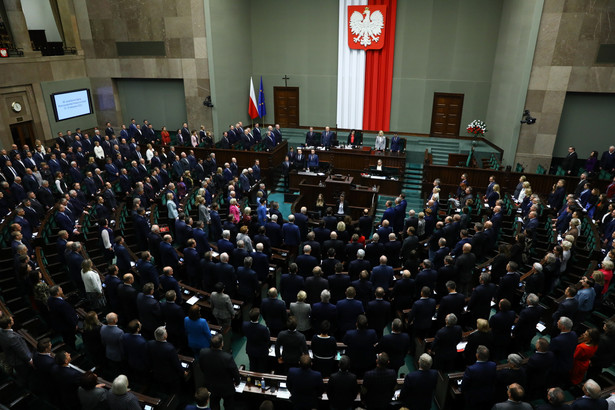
262, 110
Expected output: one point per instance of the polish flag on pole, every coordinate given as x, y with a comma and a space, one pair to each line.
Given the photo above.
252, 107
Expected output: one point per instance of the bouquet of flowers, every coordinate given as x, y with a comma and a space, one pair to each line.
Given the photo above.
477, 128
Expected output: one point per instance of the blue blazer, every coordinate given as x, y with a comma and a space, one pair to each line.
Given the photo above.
291, 234
418, 389
257, 337
422, 312
347, 312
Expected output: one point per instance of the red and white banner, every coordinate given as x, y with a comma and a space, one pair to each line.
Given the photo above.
365, 63
252, 107
366, 27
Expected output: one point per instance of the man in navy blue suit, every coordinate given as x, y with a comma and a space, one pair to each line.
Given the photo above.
591, 398
306, 262
257, 342
291, 235
453, 302
301, 220
274, 312
525, 328
62, 315
421, 313
396, 344
136, 355
348, 310
379, 384
324, 310
444, 346
378, 312
480, 301
427, 276
122, 255
538, 368
389, 214
382, 275
191, 262
563, 347
361, 346
149, 310
290, 284
420, 385
274, 231
167, 370
168, 255
478, 383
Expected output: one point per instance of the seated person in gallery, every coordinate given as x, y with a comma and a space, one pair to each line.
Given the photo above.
354, 138
379, 165
312, 161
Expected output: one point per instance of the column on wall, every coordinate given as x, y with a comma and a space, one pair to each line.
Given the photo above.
19, 29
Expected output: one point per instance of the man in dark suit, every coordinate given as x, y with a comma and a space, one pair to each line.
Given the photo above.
563, 347
314, 285
290, 345
167, 370
464, 264
149, 310
361, 346
67, 380
127, 297
378, 312
382, 275
324, 310
396, 344
311, 138
591, 399
306, 262
257, 342
135, 351
567, 307
305, 385
569, 162
342, 387
291, 284
328, 138
348, 310
509, 283
478, 383
419, 386
168, 255
479, 305
525, 328
427, 276
338, 283
44, 369
444, 346
173, 316
62, 316
453, 302
379, 384
221, 373
16, 351
538, 368
421, 313
274, 312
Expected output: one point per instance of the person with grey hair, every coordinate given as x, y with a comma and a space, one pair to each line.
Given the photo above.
419, 386
525, 328
514, 373
563, 347
119, 398
444, 346
111, 338
324, 310
167, 370
535, 283
591, 398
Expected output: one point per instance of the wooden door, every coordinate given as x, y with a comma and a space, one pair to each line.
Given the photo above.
286, 106
23, 134
446, 114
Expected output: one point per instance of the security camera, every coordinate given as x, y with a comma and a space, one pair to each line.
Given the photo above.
527, 118
207, 102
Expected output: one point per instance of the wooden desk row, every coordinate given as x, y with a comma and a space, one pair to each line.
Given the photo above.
269, 160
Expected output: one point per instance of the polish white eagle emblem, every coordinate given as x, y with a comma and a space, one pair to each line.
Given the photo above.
366, 28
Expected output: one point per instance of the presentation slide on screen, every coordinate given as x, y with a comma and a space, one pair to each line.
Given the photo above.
71, 104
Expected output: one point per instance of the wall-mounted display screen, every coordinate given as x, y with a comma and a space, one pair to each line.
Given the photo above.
71, 104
